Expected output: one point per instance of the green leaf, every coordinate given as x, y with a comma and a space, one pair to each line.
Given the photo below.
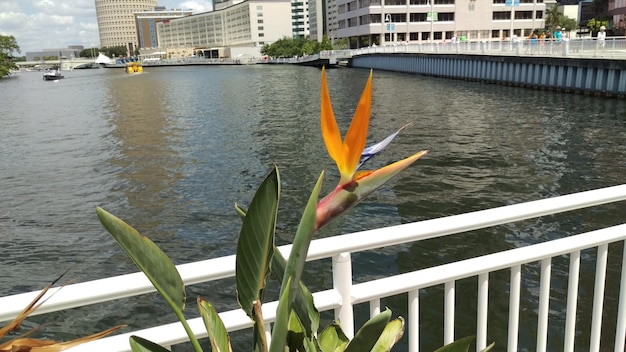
220, 341
295, 266
157, 266
489, 348
281, 326
332, 339
139, 344
367, 336
301, 242
460, 345
303, 306
240, 211
392, 333
256, 243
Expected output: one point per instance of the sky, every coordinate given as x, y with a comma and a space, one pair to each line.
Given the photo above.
53, 24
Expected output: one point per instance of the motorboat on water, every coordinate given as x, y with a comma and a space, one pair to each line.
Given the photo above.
52, 75
134, 67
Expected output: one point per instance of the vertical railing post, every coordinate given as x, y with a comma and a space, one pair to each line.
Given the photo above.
448, 330
483, 307
414, 319
598, 298
544, 305
374, 307
516, 279
572, 298
620, 330
342, 283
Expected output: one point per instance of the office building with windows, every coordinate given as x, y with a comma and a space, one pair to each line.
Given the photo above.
147, 20
381, 22
242, 28
116, 22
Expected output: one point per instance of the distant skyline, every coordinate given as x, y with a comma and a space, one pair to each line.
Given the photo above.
55, 24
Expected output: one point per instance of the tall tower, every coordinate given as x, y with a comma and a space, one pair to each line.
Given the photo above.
116, 21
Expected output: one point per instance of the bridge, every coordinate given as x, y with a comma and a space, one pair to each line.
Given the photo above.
584, 66
64, 64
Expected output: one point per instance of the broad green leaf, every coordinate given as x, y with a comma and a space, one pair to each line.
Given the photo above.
295, 335
295, 266
139, 344
303, 306
256, 242
392, 333
368, 334
220, 341
332, 339
157, 266
461, 345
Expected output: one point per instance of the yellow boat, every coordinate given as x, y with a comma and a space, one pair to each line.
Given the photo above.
134, 67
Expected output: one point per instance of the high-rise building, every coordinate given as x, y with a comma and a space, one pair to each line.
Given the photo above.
369, 22
147, 20
300, 18
242, 27
116, 22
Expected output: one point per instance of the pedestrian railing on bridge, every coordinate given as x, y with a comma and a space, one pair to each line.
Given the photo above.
344, 294
612, 47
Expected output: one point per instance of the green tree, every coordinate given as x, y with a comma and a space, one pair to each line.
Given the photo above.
553, 15
554, 19
115, 51
8, 46
568, 23
595, 24
89, 52
290, 47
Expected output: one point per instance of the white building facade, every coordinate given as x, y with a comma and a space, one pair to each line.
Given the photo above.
381, 22
242, 28
116, 22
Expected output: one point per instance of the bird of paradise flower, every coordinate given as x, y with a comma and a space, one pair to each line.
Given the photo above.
350, 154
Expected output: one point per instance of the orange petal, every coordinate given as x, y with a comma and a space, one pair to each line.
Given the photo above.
356, 136
330, 131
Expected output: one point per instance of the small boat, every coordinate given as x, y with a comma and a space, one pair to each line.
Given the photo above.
52, 75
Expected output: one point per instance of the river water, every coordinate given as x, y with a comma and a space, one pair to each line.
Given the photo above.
172, 150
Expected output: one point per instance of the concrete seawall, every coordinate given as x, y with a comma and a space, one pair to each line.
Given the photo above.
591, 76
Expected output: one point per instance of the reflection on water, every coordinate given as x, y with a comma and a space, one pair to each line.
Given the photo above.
172, 150
148, 165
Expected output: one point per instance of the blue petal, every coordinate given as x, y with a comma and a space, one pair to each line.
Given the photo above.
372, 150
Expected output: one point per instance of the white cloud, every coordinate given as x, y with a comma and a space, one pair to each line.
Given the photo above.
47, 24
45, 4
197, 6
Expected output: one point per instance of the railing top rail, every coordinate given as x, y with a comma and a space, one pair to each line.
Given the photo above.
134, 284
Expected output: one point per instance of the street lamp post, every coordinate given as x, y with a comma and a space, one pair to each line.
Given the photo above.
432, 21
389, 26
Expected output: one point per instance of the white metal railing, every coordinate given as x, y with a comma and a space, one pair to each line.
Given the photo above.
612, 47
344, 294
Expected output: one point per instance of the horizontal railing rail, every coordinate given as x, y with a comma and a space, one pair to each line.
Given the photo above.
612, 48
345, 294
